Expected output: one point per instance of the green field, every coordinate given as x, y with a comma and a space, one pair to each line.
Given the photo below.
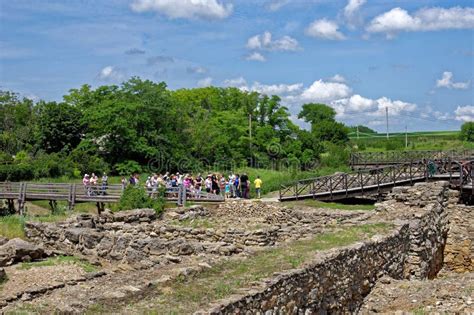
422, 140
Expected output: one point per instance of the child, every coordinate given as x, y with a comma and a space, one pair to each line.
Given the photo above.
227, 190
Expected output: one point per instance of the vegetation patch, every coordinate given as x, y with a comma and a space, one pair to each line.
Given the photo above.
187, 296
57, 260
13, 226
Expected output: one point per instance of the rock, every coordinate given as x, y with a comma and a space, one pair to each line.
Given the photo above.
16, 250
3, 240
135, 215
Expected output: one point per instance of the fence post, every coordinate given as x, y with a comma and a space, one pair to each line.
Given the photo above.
330, 186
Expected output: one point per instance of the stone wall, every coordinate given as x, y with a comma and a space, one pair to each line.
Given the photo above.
459, 250
337, 282
139, 239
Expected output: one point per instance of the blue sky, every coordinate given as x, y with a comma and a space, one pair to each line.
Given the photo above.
415, 58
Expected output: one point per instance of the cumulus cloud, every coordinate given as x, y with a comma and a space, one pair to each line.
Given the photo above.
196, 70
188, 9
256, 56
321, 91
447, 82
268, 89
325, 29
427, 19
338, 78
464, 113
351, 12
276, 89
110, 73
265, 42
134, 51
205, 82
238, 82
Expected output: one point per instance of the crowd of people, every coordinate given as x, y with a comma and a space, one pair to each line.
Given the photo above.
231, 186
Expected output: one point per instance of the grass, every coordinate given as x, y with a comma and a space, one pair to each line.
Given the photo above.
12, 226
436, 140
328, 205
224, 279
58, 260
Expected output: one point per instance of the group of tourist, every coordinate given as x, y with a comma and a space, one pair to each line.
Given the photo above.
231, 186
91, 184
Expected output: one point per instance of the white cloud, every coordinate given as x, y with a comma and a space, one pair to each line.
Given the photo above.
321, 91
196, 70
189, 9
205, 82
265, 42
275, 5
256, 56
338, 78
276, 89
110, 73
447, 82
351, 12
355, 103
395, 108
239, 82
464, 113
324, 29
426, 19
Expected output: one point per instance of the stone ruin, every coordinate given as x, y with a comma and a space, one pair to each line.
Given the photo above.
337, 280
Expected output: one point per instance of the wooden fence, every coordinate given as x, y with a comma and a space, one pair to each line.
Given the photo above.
75, 193
374, 181
370, 159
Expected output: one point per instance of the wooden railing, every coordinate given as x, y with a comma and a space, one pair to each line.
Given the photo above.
358, 183
74, 193
363, 159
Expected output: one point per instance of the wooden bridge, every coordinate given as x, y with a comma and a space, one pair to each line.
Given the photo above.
376, 181
77, 193
363, 160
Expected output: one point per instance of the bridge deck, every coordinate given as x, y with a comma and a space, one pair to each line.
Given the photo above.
370, 181
76, 193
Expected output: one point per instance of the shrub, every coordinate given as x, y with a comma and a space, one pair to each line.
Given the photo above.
135, 197
128, 167
16, 172
467, 132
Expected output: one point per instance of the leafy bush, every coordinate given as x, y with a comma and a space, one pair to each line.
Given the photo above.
135, 197
128, 167
5, 158
467, 132
16, 172
335, 155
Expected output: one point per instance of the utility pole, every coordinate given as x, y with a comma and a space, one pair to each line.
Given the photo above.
250, 136
357, 132
386, 118
406, 137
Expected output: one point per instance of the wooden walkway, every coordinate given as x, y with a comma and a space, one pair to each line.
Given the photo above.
77, 193
372, 181
362, 160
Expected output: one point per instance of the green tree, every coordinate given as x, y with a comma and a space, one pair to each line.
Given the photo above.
314, 113
59, 126
467, 131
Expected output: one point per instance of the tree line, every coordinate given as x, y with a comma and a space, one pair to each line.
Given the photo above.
125, 128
